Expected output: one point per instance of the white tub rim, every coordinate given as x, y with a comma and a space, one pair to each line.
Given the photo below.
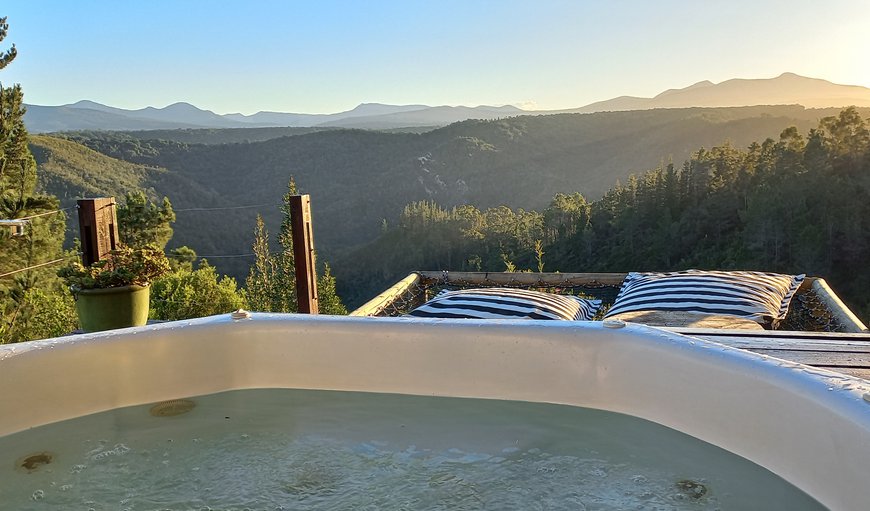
820, 397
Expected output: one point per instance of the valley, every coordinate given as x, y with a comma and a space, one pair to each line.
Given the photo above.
360, 180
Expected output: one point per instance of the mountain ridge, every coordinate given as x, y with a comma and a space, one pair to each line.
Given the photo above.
785, 89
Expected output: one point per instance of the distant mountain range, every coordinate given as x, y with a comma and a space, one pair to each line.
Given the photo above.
88, 115
786, 89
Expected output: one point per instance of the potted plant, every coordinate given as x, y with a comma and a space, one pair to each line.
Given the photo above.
115, 292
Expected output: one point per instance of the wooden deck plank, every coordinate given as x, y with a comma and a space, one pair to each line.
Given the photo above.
776, 334
851, 371
847, 353
767, 344
820, 358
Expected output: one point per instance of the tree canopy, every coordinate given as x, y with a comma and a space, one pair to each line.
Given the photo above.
799, 204
141, 222
6, 56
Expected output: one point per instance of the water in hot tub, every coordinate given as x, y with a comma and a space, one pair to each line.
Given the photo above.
300, 450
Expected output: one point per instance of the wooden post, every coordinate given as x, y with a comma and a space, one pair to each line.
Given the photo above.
98, 227
303, 254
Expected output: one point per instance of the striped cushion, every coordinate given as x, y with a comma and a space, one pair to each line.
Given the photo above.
506, 303
762, 297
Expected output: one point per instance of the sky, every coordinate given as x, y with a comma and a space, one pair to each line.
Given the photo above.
326, 56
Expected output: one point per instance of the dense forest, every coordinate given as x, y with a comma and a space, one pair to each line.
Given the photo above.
798, 204
480, 193
358, 178
786, 203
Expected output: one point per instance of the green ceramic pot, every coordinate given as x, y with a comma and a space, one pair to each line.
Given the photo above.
114, 307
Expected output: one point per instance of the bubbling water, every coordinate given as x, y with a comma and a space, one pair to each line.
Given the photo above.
291, 449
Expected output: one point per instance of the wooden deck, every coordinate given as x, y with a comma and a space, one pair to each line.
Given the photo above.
847, 353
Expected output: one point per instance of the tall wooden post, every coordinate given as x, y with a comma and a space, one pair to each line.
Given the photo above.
98, 227
303, 254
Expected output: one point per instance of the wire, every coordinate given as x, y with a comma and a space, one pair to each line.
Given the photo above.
44, 214
226, 208
212, 256
175, 210
198, 256
36, 266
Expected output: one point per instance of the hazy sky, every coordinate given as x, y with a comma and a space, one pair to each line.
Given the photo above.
323, 56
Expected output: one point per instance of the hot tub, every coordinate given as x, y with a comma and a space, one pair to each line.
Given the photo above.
809, 427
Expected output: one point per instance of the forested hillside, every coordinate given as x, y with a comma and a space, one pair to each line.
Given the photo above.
797, 204
359, 178
361, 181
70, 171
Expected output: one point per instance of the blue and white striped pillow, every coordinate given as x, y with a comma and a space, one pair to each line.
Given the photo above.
506, 303
762, 297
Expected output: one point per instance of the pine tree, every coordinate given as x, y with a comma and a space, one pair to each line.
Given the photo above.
141, 222
43, 237
9, 55
328, 299
271, 281
259, 281
283, 295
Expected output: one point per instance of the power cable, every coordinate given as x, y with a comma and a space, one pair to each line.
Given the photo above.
226, 208
44, 214
210, 256
36, 266
198, 256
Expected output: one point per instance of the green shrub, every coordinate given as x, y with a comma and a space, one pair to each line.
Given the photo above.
185, 294
39, 315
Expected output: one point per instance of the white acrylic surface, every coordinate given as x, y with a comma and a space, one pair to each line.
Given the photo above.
808, 426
